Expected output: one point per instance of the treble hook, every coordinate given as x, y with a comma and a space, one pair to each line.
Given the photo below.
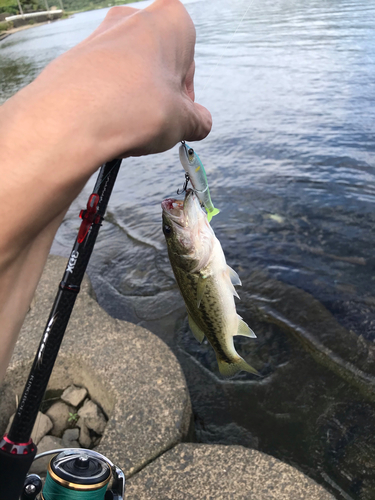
187, 179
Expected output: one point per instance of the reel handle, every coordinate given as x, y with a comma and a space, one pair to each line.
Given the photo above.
32, 487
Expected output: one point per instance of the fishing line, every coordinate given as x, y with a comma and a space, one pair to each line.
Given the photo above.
53, 490
228, 44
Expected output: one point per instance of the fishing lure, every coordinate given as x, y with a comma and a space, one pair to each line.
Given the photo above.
196, 174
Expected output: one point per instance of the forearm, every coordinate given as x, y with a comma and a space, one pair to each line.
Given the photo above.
47, 155
44, 165
18, 281
126, 90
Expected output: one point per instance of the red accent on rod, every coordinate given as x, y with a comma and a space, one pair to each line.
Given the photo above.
5, 437
88, 217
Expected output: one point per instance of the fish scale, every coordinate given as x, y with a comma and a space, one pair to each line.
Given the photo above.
205, 281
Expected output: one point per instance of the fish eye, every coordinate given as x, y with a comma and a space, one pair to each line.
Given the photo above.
167, 230
191, 151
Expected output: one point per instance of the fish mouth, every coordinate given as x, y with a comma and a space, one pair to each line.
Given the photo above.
176, 210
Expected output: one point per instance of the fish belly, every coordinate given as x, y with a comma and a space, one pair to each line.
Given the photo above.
216, 316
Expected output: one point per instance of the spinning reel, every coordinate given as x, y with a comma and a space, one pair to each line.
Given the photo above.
76, 474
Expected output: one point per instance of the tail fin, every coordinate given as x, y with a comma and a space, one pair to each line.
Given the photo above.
211, 213
238, 365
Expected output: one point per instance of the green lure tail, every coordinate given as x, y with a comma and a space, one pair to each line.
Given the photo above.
211, 213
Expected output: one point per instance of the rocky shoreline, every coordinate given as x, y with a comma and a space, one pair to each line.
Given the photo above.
137, 381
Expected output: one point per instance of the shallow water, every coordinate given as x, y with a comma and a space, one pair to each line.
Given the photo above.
290, 165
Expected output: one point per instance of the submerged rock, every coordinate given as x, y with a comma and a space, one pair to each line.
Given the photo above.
315, 402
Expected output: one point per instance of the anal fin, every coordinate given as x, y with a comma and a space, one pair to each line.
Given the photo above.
197, 332
244, 330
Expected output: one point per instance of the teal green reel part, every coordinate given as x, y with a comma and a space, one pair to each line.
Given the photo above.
79, 474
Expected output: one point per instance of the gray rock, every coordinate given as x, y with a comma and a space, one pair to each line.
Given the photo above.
8, 405
42, 427
59, 413
132, 374
74, 395
217, 472
84, 435
70, 438
47, 443
93, 417
96, 441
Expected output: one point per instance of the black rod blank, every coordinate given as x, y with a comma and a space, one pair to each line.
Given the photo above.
53, 334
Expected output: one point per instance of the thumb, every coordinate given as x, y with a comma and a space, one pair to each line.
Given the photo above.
200, 123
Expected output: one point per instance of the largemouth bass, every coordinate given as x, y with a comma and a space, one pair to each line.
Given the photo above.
205, 280
194, 168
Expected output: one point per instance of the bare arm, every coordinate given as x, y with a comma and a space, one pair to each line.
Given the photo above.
126, 90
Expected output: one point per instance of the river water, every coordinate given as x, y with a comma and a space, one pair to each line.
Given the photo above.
290, 162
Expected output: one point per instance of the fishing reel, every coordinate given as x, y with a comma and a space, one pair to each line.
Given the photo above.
76, 474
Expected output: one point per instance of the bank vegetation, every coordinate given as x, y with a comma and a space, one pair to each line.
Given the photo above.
19, 7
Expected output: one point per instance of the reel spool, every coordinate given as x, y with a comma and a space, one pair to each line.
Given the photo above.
78, 474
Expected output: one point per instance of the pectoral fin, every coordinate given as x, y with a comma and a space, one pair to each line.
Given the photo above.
197, 332
244, 330
200, 289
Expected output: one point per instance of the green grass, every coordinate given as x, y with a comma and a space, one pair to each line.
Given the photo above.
70, 6
4, 26
10, 7
76, 6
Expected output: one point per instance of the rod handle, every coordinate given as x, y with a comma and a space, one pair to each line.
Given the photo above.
13, 471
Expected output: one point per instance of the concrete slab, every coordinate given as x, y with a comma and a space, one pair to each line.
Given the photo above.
218, 472
127, 370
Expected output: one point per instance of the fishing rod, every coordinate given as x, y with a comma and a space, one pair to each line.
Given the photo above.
17, 451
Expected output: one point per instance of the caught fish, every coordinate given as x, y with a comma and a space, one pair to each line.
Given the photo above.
205, 280
195, 170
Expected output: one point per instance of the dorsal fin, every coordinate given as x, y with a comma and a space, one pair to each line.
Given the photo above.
231, 277
235, 279
244, 330
234, 291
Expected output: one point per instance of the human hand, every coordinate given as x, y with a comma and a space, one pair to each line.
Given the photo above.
130, 85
